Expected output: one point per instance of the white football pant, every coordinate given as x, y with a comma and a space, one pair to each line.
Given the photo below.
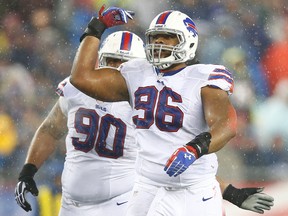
148, 200
113, 207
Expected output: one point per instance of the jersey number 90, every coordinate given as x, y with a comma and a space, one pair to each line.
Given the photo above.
96, 129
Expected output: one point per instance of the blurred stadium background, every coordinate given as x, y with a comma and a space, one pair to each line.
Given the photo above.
38, 41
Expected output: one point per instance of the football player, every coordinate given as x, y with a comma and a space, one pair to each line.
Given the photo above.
116, 49
181, 110
99, 167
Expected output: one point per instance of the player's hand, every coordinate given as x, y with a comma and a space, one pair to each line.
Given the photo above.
258, 202
183, 157
179, 161
26, 184
251, 199
114, 16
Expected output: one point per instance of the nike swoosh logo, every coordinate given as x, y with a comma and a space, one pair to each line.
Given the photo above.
205, 199
121, 203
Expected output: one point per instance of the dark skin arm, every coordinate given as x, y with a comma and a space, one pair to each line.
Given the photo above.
104, 84
220, 116
46, 137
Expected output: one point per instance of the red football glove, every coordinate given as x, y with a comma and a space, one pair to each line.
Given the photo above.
179, 161
114, 16
184, 156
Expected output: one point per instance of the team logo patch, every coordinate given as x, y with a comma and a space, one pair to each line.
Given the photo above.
190, 25
121, 203
188, 156
205, 199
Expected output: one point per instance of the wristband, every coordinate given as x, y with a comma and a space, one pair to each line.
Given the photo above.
200, 144
28, 170
95, 28
234, 196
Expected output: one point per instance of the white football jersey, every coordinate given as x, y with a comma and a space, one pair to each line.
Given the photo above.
168, 113
101, 147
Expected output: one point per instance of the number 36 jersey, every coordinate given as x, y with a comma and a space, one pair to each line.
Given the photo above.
101, 147
168, 113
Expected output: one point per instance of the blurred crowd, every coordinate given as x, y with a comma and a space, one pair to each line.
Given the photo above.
39, 38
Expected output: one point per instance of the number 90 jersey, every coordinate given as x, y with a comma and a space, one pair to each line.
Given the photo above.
101, 147
168, 113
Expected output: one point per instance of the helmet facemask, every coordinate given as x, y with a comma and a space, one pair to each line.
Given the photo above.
103, 58
177, 54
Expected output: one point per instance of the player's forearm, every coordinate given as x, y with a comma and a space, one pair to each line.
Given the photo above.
220, 137
223, 130
45, 139
42, 146
94, 82
84, 62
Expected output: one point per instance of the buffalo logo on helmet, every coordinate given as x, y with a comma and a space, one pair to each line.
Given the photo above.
190, 25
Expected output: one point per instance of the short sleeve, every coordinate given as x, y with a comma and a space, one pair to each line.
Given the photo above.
63, 103
60, 87
221, 78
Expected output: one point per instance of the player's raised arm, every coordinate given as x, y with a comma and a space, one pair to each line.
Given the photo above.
105, 84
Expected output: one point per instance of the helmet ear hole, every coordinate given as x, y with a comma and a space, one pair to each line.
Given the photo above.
191, 45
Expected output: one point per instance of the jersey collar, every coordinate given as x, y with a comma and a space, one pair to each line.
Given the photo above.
170, 73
